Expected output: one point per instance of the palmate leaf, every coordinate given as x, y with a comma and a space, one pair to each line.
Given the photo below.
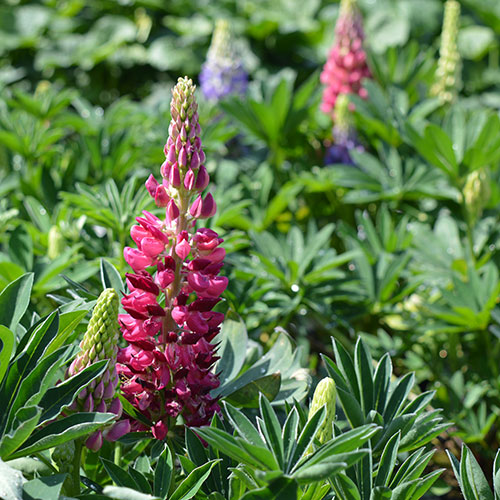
63, 430
368, 395
63, 394
279, 364
25, 421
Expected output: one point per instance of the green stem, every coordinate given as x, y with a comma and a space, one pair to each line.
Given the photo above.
489, 353
75, 473
170, 444
118, 453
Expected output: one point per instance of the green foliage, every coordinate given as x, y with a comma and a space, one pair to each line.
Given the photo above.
369, 393
401, 245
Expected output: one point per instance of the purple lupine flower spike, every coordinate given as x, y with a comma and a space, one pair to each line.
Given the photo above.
223, 73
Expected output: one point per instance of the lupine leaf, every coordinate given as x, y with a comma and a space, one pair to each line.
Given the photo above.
190, 486
11, 483
388, 461
122, 493
272, 429
364, 375
243, 426
7, 347
118, 475
65, 429
14, 301
307, 436
63, 394
45, 488
282, 488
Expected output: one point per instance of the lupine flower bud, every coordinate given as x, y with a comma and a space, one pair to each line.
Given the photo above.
346, 65
447, 80
477, 192
344, 135
325, 394
56, 243
222, 74
62, 455
100, 342
166, 369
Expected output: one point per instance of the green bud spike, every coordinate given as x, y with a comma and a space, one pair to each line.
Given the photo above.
325, 394
348, 7
100, 339
447, 79
477, 192
221, 45
342, 116
183, 98
56, 243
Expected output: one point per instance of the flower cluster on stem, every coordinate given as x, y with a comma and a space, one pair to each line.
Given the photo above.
101, 342
346, 66
344, 135
166, 369
448, 71
223, 73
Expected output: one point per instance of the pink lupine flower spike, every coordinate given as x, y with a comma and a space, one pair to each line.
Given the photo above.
166, 369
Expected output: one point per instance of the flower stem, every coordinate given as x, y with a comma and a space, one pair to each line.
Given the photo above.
75, 473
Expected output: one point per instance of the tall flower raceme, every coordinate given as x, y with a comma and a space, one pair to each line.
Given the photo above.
223, 73
166, 369
346, 66
101, 342
344, 135
448, 72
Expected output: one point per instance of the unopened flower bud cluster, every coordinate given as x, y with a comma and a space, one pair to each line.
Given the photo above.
447, 81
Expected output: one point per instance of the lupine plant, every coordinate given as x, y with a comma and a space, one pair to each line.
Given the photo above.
223, 73
346, 66
166, 368
215, 392
449, 65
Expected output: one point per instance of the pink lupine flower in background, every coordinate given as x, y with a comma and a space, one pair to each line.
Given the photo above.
346, 65
166, 369
101, 342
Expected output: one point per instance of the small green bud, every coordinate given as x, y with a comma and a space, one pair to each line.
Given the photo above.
325, 394
56, 243
62, 456
477, 192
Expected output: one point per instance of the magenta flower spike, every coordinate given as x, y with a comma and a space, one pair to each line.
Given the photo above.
346, 66
166, 369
